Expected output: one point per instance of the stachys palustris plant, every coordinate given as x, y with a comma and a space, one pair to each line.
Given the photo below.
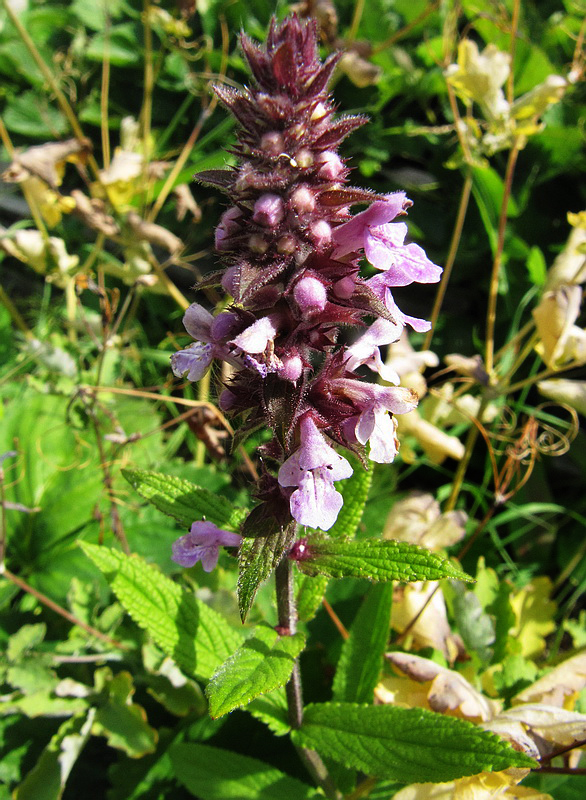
292, 250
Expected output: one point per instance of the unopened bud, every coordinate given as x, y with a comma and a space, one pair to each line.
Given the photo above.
321, 233
269, 210
291, 369
304, 158
287, 245
302, 200
310, 295
272, 143
331, 165
258, 244
228, 225
344, 288
230, 280
227, 400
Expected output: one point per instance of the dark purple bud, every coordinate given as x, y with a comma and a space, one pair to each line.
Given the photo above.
227, 400
230, 280
269, 210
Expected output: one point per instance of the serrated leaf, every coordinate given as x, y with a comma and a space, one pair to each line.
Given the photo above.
262, 663
257, 559
118, 718
187, 630
183, 500
361, 659
309, 595
272, 710
377, 560
214, 774
410, 745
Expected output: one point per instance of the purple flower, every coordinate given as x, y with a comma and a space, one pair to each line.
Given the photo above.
366, 349
383, 245
208, 331
313, 468
373, 423
202, 543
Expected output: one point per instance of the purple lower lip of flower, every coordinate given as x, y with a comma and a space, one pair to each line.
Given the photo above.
350, 237
313, 468
203, 544
193, 361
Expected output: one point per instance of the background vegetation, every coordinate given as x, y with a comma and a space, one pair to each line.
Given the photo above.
106, 114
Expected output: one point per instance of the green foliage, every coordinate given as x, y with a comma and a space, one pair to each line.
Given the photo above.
257, 560
183, 500
262, 663
215, 774
377, 560
360, 662
193, 635
404, 744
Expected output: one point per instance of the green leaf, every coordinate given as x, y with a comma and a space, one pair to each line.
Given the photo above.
488, 189
183, 500
120, 720
536, 266
214, 774
272, 710
262, 663
360, 663
31, 115
195, 636
475, 626
410, 745
47, 779
377, 560
119, 46
309, 595
257, 559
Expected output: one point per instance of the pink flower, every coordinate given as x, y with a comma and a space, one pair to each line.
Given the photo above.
383, 245
366, 349
313, 468
208, 331
203, 543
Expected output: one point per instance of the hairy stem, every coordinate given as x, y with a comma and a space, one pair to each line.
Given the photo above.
287, 620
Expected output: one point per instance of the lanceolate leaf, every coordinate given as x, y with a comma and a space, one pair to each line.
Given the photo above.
183, 500
214, 774
410, 745
262, 663
362, 653
195, 636
257, 559
309, 595
377, 560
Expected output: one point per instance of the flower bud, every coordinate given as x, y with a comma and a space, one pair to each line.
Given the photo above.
287, 244
230, 280
344, 288
321, 233
228, 226
258, 244
304, 158
269, 210
310, 295
272, 143
319, 112
302, 200
227, 400
291, 369
331, 165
